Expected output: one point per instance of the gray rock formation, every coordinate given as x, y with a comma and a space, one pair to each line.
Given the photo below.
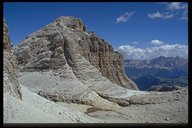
23, 106
10, 67
66, 42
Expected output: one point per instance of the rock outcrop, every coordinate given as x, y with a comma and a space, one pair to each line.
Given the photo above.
20, 105
66, 42
10, 67
6, 38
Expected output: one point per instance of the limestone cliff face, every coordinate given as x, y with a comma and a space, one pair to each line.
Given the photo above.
101, 54
10, 79
65, 41
6, 39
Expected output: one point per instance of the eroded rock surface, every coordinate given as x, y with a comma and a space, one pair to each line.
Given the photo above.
63, 62
20, 105
66, 42
10, 67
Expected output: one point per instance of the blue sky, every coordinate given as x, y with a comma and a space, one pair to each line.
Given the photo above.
135, 24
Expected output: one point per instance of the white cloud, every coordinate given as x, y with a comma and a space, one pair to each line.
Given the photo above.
181, 7
135, 42
176, 6
167, 50
184, 15
156, 42
124, 17
176, 9
166, 15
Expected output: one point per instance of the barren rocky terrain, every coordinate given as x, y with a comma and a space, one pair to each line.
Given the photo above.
63, 74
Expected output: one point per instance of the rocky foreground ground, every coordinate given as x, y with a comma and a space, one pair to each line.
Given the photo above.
154, 107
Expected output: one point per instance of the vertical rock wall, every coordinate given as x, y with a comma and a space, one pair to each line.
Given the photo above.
10, 79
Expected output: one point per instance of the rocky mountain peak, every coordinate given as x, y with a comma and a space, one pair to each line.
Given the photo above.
70, 22
65, 42
170, 62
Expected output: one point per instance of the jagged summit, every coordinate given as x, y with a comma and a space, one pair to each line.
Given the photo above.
64, 41
68, 64
67, 22
70, 22
61, 24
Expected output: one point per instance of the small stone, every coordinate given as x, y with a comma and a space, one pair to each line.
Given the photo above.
167, 118
183, 121
131, 116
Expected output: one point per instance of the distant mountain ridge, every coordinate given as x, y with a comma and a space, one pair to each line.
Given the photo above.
166, 71
159, 62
